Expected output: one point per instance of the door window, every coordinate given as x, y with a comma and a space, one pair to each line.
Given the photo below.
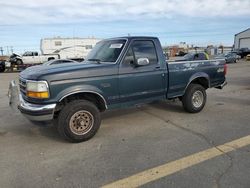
129, 58
145, 49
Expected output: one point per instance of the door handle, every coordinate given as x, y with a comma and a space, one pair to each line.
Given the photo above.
157, 68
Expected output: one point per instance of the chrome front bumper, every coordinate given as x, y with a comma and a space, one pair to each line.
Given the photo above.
222, 85
34, 112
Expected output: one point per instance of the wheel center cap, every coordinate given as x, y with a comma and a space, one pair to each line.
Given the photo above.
82, 123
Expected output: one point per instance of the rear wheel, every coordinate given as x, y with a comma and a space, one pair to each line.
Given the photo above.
194, 98
79, 121
51, 58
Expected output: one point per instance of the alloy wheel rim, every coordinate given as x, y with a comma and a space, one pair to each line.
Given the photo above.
197, 99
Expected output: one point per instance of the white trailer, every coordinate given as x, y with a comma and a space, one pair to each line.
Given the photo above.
68, 48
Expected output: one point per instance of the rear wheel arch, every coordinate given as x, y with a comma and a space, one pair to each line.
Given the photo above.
203, 81
51, 58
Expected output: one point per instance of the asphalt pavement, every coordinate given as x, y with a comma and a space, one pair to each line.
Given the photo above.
133, 141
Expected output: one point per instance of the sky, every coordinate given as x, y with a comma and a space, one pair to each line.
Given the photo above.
23, 23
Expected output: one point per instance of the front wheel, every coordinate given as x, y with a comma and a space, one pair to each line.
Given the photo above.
194, 98
19, 62
79, 121
2, 69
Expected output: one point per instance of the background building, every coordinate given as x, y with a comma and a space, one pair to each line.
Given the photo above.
242, 39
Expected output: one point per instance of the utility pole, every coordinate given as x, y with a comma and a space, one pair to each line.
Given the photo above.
7, 50
1, 50
11, 49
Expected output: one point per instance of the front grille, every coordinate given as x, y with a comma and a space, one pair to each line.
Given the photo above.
22, 85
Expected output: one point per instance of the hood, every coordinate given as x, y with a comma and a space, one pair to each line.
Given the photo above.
63, 71
13, 55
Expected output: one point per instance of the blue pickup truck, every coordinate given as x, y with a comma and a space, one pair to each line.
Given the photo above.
117, 73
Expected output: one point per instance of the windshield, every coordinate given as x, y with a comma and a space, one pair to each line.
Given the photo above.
106, 51
27, 54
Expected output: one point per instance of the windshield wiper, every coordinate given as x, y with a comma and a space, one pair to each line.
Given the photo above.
96, 60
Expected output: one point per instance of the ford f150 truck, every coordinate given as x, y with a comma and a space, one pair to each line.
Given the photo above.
118, 72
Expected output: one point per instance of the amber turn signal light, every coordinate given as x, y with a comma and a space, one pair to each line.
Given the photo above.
40, 95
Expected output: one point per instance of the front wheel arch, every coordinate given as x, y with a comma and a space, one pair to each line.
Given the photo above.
93, 97
19, 62
74, 130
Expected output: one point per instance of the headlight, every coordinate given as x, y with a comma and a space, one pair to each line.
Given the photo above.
37, 89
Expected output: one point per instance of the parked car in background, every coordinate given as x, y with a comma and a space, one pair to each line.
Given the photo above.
2, 66
235, 54
248, 57
229, 57
180, 53
243, 52
59, 61
194, 57
31, 58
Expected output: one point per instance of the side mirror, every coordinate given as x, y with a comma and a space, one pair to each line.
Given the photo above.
142, 62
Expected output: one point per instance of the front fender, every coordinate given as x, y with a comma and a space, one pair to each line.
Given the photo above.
79, 89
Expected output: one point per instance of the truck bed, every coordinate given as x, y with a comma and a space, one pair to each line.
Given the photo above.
183, 72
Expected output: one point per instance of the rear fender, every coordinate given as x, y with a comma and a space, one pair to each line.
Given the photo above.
196, 76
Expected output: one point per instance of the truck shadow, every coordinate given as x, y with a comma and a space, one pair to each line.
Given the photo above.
169, 106
48, 130
166, 106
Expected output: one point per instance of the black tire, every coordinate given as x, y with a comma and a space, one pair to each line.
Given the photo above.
2, 69
39, 123
78, 115
189, 100
51, 58
19, 62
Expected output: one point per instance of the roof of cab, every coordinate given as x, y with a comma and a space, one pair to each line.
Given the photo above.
134, 37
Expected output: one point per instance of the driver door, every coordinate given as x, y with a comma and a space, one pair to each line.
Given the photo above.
140, 83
